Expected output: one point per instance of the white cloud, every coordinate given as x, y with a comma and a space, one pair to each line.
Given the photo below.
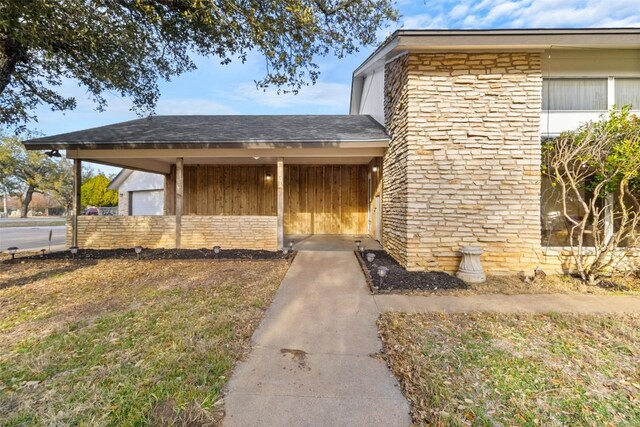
330, 95
118, 106
502, 10
192, 106
525, 14
459, 10
551, 13
416, 21
118, 109
471, 21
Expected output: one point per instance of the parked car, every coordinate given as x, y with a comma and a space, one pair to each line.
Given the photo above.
91, 211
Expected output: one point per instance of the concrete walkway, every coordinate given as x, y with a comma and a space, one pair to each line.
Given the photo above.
312, 360
537, 303
313, 357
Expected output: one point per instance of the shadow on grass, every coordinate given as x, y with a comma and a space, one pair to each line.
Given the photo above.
26, 280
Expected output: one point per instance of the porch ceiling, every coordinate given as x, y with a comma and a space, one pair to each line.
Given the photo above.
160, 161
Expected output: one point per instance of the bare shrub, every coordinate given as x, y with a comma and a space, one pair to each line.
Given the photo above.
597, 167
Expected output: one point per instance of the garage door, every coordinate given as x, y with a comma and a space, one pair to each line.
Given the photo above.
325, 199
147, 202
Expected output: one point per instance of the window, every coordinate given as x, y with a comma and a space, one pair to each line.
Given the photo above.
628, 92
556, 228
574, 94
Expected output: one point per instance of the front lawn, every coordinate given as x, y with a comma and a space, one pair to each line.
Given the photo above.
125, 342
524, 370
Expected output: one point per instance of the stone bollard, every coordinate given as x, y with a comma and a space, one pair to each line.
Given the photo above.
470, 269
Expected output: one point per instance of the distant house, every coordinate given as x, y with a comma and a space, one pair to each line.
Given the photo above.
139, 193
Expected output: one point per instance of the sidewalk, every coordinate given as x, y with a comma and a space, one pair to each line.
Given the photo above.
313, 359
535, 303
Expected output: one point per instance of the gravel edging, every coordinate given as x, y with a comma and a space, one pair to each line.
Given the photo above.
399, 280
365, 271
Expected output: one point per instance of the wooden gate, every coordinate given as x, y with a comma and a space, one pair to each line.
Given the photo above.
325, 199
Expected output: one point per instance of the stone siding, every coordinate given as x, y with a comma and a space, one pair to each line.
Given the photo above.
394, 163
113, 232
471, 130
229, 232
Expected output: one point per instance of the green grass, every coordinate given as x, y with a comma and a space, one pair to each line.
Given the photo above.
28, 223
128, 343
525, 370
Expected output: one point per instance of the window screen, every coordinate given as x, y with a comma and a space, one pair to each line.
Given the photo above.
628, 92
574, 94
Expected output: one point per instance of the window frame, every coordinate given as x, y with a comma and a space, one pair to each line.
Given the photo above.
615, 91
545, 102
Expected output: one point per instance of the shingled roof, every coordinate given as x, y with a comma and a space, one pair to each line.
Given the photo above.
219, 131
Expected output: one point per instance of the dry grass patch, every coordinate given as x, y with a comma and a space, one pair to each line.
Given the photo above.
557, 284
125, 342
552, 284
525, 370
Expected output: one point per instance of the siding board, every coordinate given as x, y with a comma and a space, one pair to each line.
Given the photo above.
228, 190
327, 199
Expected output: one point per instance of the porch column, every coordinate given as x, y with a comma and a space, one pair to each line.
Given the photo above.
179, 193
280, 202
75, 208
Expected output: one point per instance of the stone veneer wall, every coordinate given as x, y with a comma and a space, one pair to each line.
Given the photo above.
394, 163
229, 232
471, 131
113, 232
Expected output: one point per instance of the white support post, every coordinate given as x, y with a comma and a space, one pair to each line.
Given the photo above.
179, 195
75, 212
611, 93
608, 218
4, 203
280, 202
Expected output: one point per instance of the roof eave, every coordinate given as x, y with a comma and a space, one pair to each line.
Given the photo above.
509, 39
119, 179
374, 142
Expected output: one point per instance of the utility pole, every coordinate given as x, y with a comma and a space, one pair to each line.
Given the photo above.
4, 202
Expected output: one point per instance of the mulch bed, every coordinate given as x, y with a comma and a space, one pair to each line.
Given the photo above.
399, 279
160, 254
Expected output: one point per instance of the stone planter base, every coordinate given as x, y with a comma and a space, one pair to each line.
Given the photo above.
470, 269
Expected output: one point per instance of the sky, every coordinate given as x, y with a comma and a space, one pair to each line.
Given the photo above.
229, 89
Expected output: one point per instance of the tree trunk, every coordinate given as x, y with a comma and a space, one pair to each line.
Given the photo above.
28, 195
11, 54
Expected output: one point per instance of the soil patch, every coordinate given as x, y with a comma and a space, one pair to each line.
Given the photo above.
299, 356
399, 279
154, 254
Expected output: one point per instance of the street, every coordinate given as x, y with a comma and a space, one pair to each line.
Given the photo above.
32, 238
